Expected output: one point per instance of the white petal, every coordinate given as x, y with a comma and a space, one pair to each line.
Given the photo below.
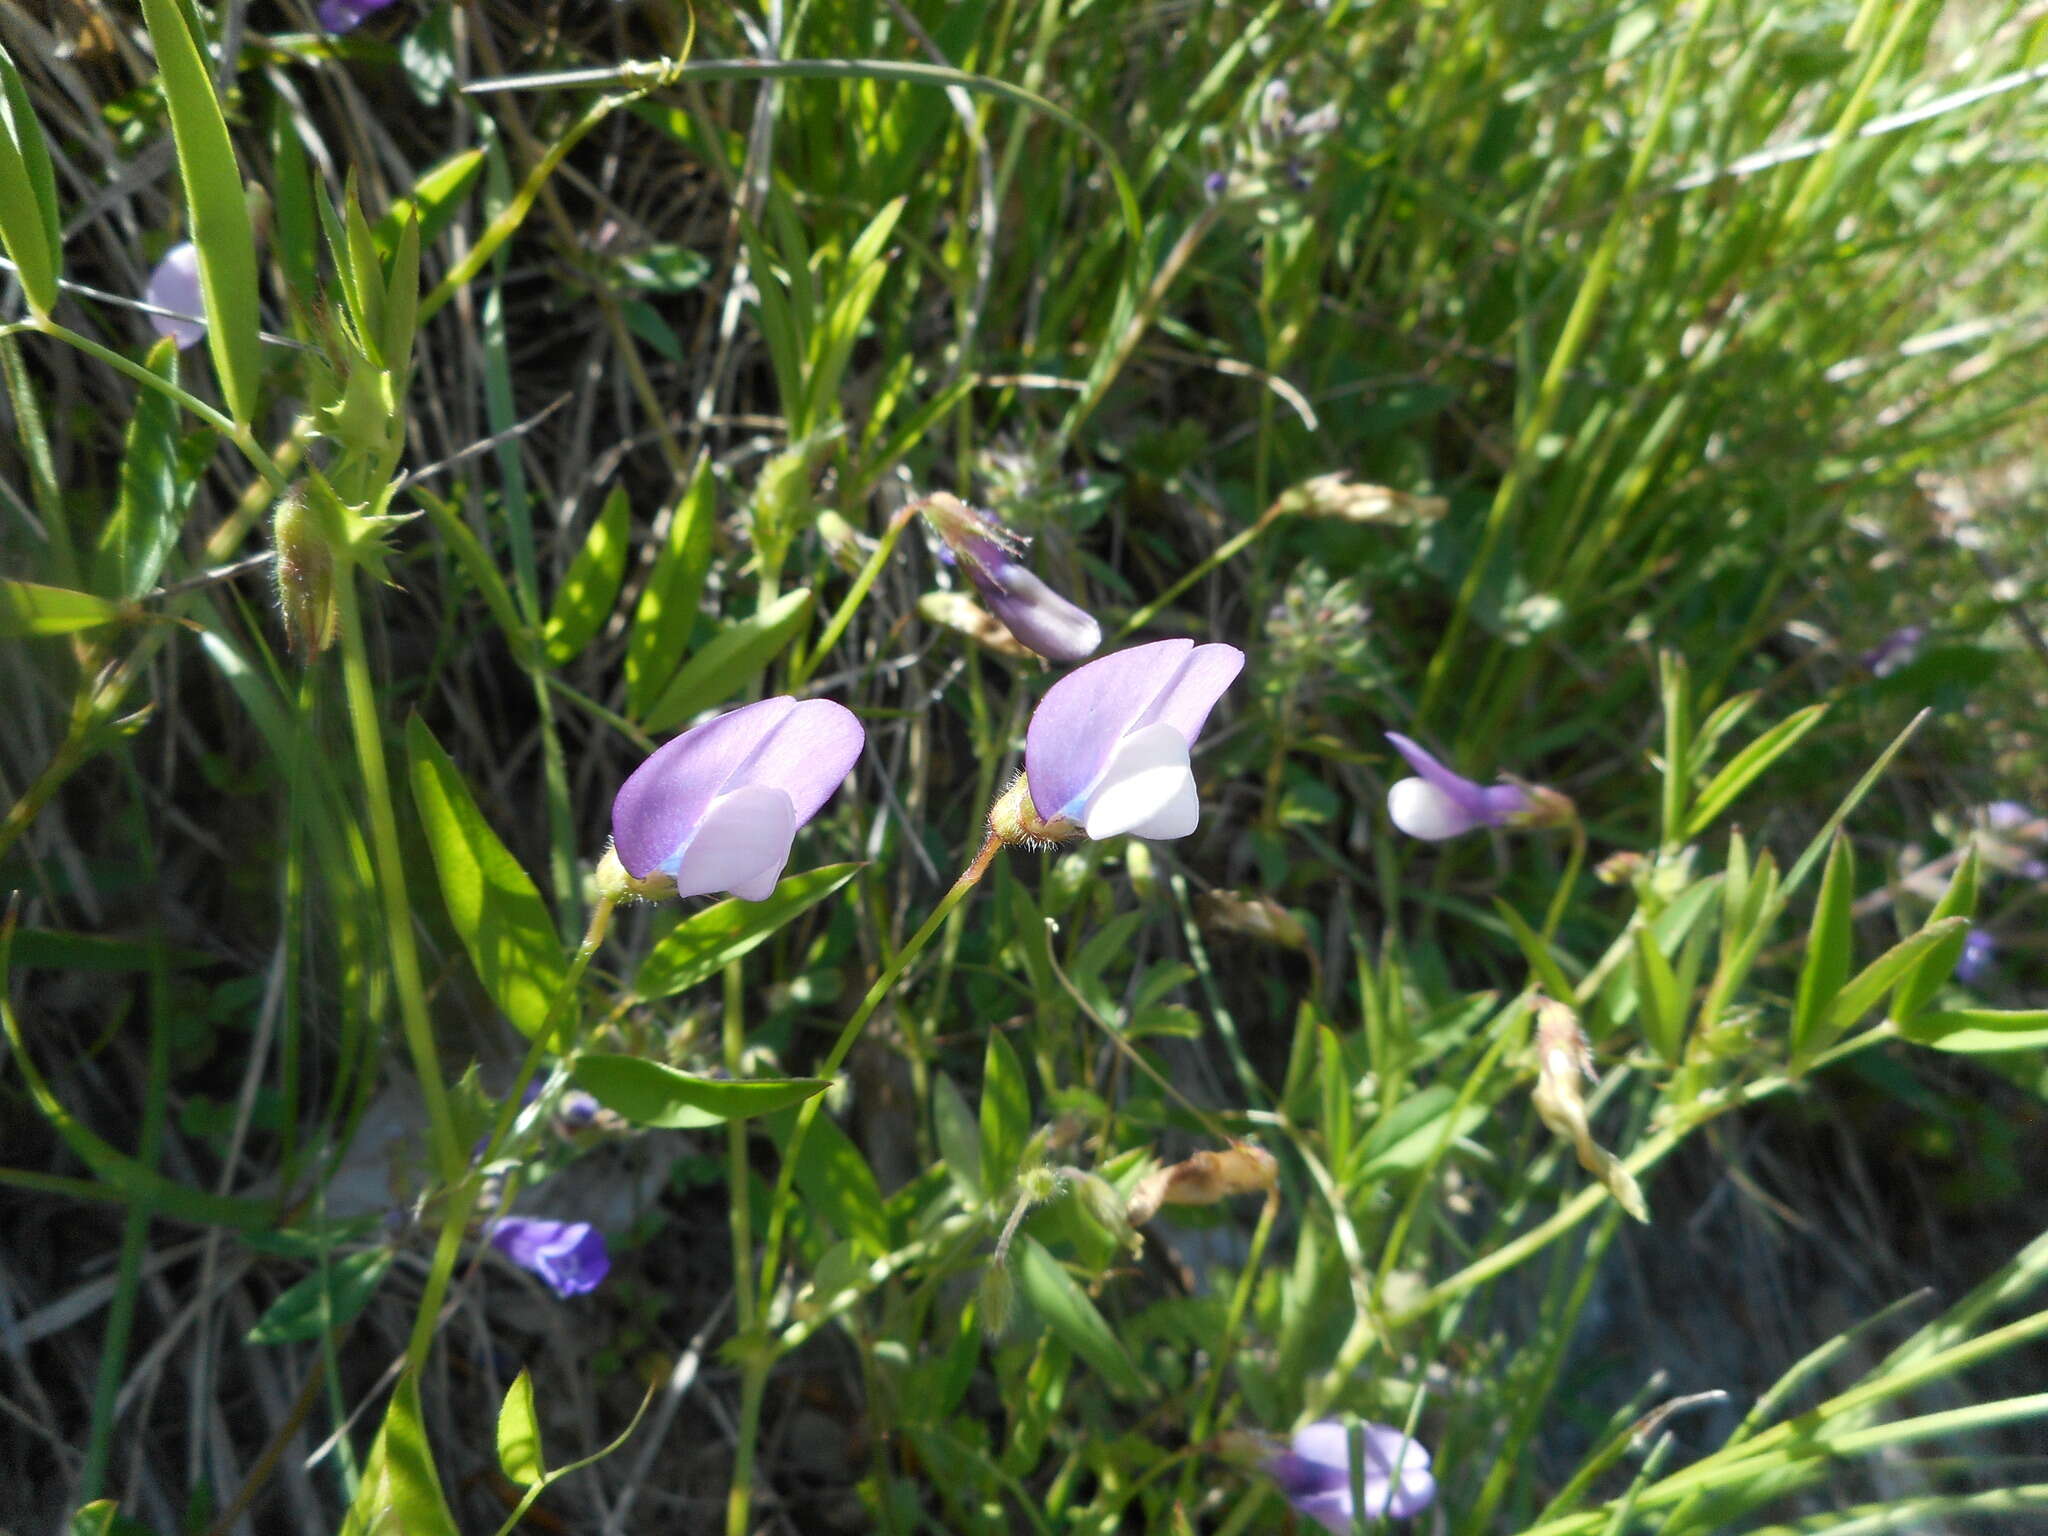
1147, 788
740, 845
1422, 810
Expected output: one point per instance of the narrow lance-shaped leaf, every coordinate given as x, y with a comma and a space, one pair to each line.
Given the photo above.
28, 608
325, 1300
1072, 1317
959, 1138
700, 946
1658, 997
591, 586
733, 660
1005, 1111
1980, 1031
1828, 944
29, 226
497, 913
400, 1490
649, 1093
1882, 974
1742, 769
1917, 988
221, 229
154, 491
667, 609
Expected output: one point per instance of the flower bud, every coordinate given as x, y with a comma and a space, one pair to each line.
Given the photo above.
305, 576
996, 1300
987, 553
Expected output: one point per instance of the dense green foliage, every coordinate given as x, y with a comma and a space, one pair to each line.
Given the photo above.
1631, 400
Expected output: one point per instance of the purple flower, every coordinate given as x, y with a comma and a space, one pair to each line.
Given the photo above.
1108, 748
1315, 1474
717, 808
347, 15
1439, 803
569, 1256
987, 551
1980, 953
174, 285
2010, 816
1895, 650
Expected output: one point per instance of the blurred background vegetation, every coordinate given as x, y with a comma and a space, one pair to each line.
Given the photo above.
1712, 329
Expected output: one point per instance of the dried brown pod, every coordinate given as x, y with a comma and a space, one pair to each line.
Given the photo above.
1204, 1179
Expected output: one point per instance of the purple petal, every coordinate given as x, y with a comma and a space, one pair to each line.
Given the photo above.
347, 15
1315, 1473
805, 750
807, 755
175, 285
1469, 797
1082, 717
1185, 702
1039, 617
568, 1256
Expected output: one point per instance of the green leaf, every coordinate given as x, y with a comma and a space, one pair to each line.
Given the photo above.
1980, 1031
437, 197
584, 600
1408, 1135
29, 225
327, 1299
402, 300
667, 609
400, 1491
295, 226
699, 947
959, 1138
648, 1093
1676, 687
837, 1184
733, 662
1659, 998
1072, 1317
1828, 948
1545, 964
219, 207
1882, 974
497, 913
519, 1433
477, 565
1918, 986
1741, 770
367, 269
1005, 1111
155, 493
27, 608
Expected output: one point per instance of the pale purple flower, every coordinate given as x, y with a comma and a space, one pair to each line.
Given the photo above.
569, 1256
1108, 748
982, 546
1315, 1474
347, 15
717, 808
1439, 804
1980, 952
174, 285
1895, 650
2010, 816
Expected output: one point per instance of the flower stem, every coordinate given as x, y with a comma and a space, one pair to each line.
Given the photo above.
760, 1355
1220, 555
384, 847
800, 673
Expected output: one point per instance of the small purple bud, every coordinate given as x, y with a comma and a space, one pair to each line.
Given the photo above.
717, 808
1314, 1474
1216, 183
1108, 748
981, 546
174, 285
347, 15
568, 1256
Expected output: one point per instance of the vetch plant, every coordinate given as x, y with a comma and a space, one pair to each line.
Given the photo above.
1108, 748
1438, 804
717, 808
987, 552
1315, 1473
